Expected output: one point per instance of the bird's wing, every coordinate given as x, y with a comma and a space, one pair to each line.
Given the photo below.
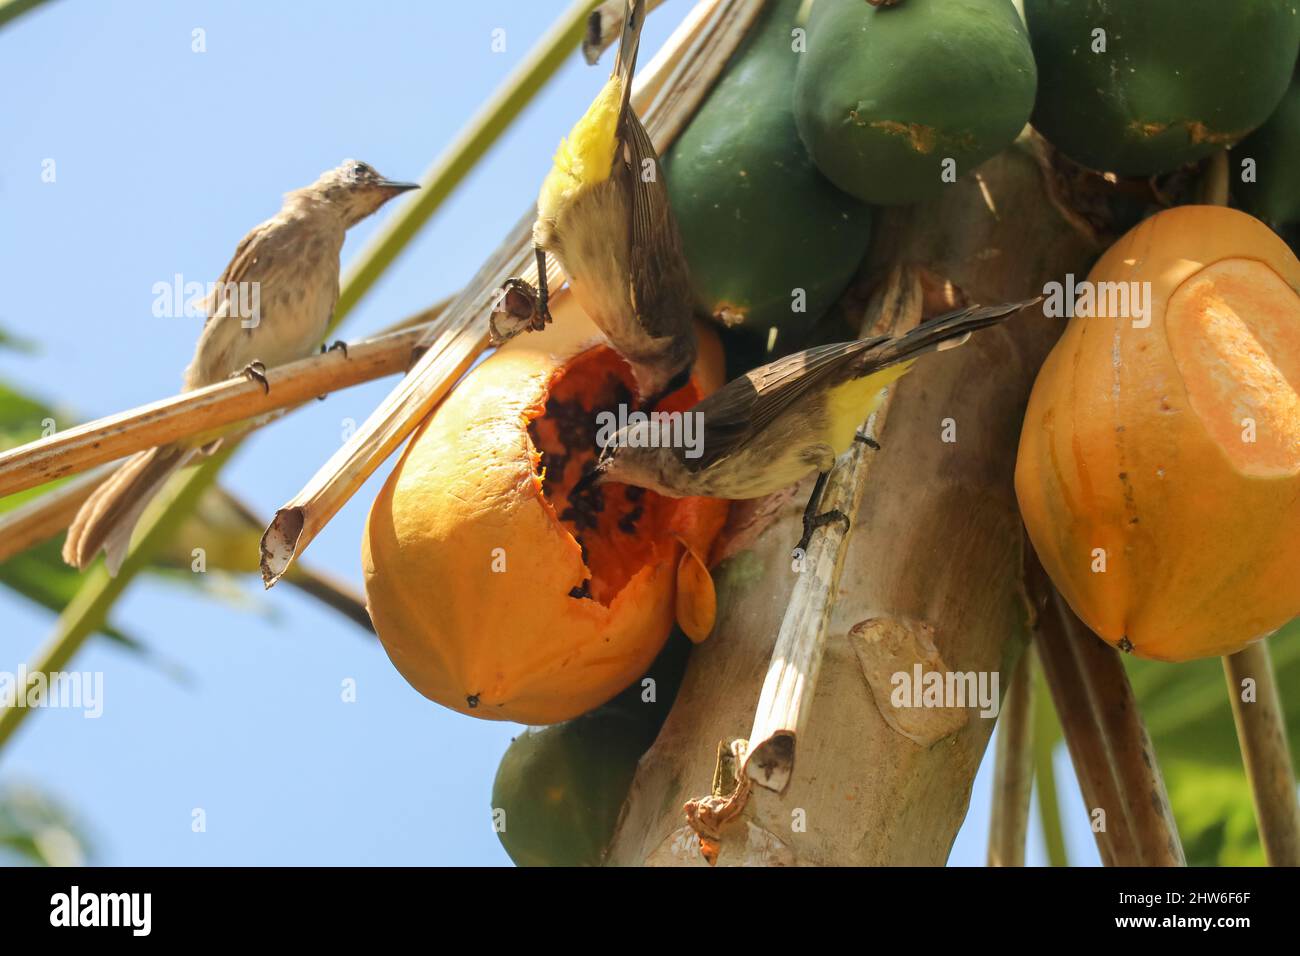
747, 405
265, 259
237, 270
659, 282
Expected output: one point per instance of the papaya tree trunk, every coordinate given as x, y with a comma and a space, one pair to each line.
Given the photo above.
932, 577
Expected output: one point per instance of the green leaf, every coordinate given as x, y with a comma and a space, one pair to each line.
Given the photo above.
1216, 818
10, 10
87, 610
1189, 717
23, 418
224, 528
18, 344
38, 830
1186, 705
40, 575
1047, 737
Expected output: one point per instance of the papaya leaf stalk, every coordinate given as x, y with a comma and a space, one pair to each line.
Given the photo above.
1261, 730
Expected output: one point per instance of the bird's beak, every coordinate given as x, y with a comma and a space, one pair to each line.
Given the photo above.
396, 187
588, 480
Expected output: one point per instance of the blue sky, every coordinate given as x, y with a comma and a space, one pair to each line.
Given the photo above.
164, 158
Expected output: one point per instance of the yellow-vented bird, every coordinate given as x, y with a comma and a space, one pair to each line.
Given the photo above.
770, 427
603, 213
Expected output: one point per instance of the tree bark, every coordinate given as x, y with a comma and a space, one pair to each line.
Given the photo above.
932, 575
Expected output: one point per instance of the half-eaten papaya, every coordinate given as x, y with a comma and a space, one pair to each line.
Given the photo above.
496, 588
1159, 465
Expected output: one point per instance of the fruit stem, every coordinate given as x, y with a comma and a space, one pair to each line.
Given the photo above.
1261, 731
1213, 187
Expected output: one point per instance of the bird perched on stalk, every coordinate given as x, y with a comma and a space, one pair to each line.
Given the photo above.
272, 305
772, 426
603, 213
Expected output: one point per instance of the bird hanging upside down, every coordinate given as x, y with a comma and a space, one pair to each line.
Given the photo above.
771, 427
603, 212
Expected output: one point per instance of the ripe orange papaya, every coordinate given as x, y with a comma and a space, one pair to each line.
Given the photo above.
493, 591
1159, 466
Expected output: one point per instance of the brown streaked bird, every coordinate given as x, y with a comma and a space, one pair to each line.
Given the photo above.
772, 426
287, 270
603, 213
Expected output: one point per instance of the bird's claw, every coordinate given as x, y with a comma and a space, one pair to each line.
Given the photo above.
338, 344
868, 441
518, 307
812, 522
256, 372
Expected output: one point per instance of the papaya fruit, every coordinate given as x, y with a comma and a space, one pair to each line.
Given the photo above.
495, 591
648, 699
1158, 472
1272, 190
894, 101
770, 242
1143, 88
559, 789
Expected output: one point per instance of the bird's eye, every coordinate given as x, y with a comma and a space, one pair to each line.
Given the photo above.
358, 170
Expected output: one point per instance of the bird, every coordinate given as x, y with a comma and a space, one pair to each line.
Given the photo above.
287, 269
603, 213
771, 427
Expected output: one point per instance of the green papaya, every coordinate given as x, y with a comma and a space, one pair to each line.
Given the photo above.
649, 699
559, 789
895, 101
1269, 189
770, 242
1140, 88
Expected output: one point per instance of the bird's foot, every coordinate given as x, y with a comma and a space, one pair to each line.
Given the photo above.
256, 372
518, 307
338, 344
812, 522
868, 441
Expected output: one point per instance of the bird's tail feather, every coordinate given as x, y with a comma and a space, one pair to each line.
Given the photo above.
945, 331
108, 516
628, 44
